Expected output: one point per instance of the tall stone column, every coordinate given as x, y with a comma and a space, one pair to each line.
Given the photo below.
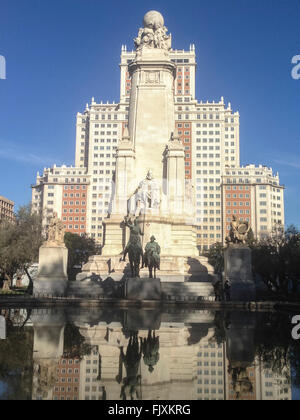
175, 176
125, 176
151, 112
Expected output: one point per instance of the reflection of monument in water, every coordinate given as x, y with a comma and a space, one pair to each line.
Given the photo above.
171, 373
126, 359
48, 348
150, 171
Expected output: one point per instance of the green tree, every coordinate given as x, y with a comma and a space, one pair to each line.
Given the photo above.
215, 257
19, 243
276, 260
75, 346
80, 248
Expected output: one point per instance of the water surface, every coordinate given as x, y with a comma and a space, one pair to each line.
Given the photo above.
114, 354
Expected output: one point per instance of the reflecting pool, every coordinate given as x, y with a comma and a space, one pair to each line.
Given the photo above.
132, 354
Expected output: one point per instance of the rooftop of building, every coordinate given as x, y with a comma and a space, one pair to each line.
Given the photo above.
6, 200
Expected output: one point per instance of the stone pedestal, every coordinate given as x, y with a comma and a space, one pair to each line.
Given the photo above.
143, 289
52, 276
238, 271
174, 269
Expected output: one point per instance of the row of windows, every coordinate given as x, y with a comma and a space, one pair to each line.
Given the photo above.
72, 203
210, 372
240, 188
210, 227
234, 203
73, 210
210, 133
68, 389
76, 227
105, 133
73, 187
236, 211
76, 219
106, 164
106, 125
208, 148
206, 236
204, 140
106, 116
235, 195
212, 391
208, 156
67, 371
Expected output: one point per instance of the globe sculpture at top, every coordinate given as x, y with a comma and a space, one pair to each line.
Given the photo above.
153, 34
153, 20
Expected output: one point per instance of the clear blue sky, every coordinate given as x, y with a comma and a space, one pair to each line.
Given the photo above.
60, 53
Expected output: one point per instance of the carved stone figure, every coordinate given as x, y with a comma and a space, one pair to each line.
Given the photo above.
154, 33
152, 256
148, 194
56, 231
238, 231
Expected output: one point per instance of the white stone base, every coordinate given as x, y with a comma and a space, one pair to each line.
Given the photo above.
172, 269
176, 235
52, 276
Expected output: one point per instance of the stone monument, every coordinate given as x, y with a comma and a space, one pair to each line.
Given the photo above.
52, 278
145, 288
238, 262
150, 173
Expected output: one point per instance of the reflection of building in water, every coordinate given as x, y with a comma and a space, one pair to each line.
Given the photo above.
67, 379
210, 369
185, 361
216, 381
91, 387
174, 373
272, 386
255, 382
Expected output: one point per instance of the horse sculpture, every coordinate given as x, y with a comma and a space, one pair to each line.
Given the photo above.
135, 254
152, 257
152, 264
134, 247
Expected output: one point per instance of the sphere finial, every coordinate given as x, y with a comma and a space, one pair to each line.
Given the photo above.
153, 20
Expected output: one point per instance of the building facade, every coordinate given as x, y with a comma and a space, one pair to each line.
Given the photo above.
6, 209
255, 195
209, 132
